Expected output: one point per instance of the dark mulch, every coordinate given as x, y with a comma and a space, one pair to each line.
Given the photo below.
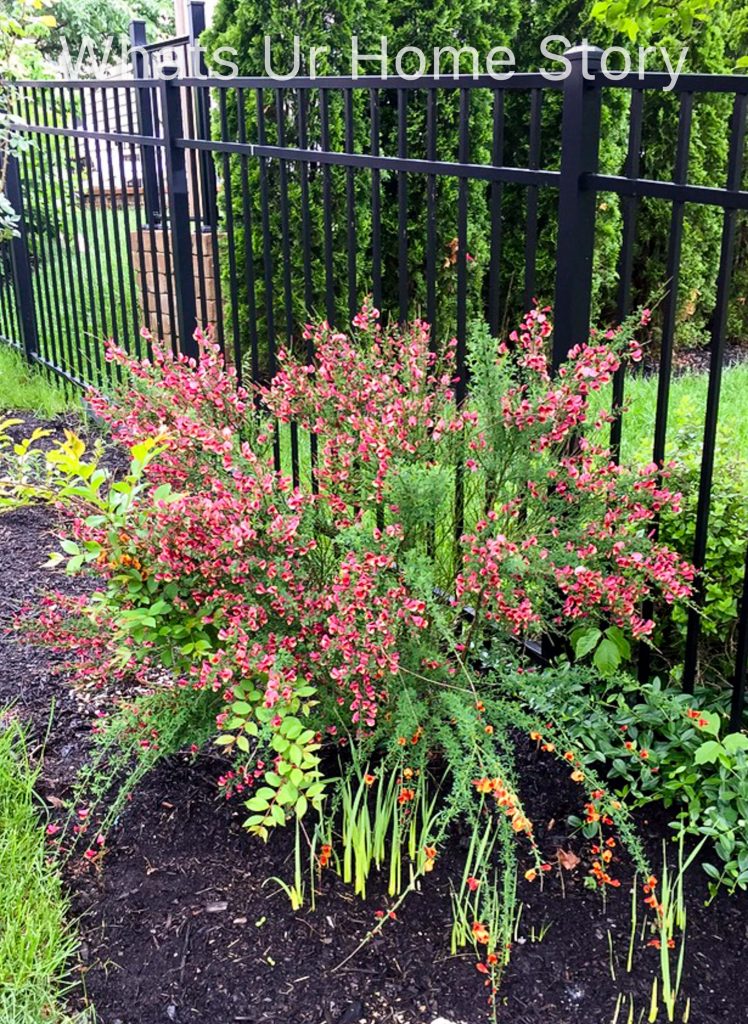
180, 923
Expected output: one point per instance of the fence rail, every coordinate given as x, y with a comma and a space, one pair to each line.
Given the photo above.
254, 204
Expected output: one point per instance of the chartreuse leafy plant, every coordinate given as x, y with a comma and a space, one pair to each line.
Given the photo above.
296, 625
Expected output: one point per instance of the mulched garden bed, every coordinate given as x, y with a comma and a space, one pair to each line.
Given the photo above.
180, 922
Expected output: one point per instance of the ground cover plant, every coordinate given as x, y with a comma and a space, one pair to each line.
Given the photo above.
359, 666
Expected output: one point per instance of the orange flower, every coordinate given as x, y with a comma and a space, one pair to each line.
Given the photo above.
489, 730
324, 855
483, 785
401, 741
549, 747
472, 883
569, 756
369, 780
531, 875
480, 706
520, 823
406, 795
535, 736
408, 773
577, 776
480, 933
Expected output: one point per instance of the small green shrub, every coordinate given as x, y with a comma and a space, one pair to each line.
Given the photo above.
725, 554
657, 744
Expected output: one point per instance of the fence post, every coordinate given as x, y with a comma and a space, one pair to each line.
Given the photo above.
580, 140
146, 122
19, 258
179, 223
199, 69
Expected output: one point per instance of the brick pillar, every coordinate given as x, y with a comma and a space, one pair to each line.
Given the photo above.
154, 266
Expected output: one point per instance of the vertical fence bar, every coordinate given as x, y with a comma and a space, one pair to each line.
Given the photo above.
198, 68
670, 305
496, 195
376, 203
179, 214
19, 256
350, 204
324, 115
402, 205
531, 219
719, 327
463, 192
667, 343
431, 213
267, 257
630, 206
144, 102
40, 246
230, 239
741, 661
580, 139
280, 116
199, 213
249, 255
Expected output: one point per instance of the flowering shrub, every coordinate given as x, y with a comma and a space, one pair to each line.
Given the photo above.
359, 610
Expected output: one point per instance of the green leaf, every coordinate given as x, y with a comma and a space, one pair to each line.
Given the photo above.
713, 723
301, 806
256, 803
288, 794
607, 657
708, 752
585, 640
619, 639
734, 742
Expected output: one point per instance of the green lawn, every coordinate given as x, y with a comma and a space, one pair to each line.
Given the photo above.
37, 942
83, 289
25, 388
685, 412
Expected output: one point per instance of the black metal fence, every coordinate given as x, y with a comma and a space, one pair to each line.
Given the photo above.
255, 204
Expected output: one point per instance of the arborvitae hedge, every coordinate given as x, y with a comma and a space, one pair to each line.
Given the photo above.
242, 24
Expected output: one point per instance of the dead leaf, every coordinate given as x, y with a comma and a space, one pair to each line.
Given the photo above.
567, 859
